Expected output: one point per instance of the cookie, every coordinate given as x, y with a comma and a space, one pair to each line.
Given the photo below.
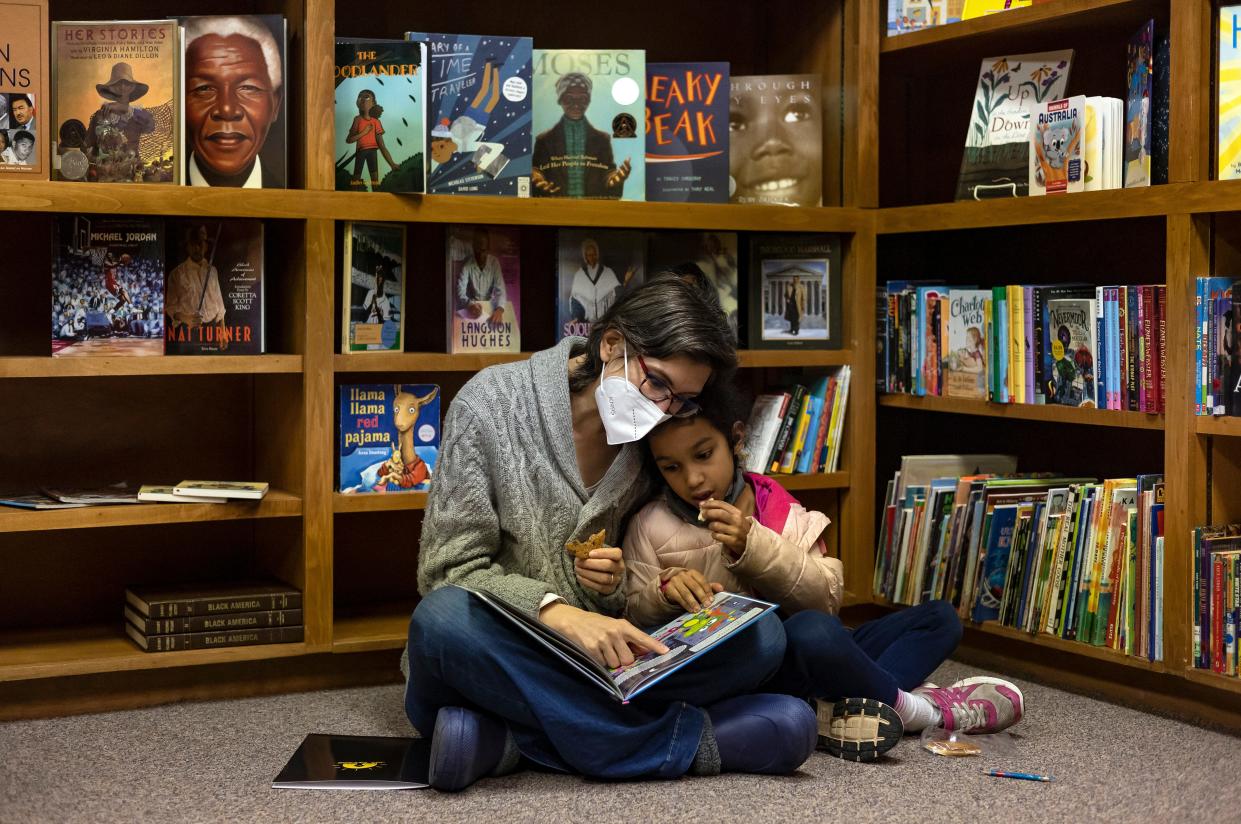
582, 548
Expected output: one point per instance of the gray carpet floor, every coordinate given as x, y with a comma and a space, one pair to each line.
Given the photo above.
210, 762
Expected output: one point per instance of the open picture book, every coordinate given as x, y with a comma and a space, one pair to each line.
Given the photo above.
687, 638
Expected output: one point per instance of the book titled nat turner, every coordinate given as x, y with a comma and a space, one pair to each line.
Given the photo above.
117, 101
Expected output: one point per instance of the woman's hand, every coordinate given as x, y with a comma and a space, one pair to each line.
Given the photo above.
689, 589
602, 571
727, 525
612, 642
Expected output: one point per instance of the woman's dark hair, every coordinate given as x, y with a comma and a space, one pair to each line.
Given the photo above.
664, 318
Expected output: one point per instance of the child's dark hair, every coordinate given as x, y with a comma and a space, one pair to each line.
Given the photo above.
722, 405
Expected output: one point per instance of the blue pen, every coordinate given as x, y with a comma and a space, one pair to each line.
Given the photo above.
1022, 775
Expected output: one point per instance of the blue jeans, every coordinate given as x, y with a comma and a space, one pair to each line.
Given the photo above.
824, 659
463, 654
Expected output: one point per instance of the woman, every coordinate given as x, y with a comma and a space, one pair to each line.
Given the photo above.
560, 462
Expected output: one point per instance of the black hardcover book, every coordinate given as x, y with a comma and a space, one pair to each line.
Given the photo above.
199, 599
357, 762
229, 621
794, 292
214, 640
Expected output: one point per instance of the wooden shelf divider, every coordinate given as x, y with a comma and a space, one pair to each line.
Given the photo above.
88, 367
1025, 411
276, 504
1224, 425
443, 362
385, 626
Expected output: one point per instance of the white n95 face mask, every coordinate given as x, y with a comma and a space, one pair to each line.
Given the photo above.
627, 414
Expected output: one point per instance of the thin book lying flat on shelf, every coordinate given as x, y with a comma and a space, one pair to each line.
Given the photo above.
116, 494
36, 500
357, 762
222, 489
686, 638
153, 493
180, 600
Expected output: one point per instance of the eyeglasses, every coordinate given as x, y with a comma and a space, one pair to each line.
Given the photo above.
656, 390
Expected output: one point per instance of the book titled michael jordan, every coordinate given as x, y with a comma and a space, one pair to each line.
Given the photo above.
107, 286
117, 101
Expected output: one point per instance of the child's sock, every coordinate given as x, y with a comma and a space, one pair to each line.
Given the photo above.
916, 711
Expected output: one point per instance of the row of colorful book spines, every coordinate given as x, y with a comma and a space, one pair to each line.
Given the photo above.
810, 429
1216, 601
1217, 348
1129, 375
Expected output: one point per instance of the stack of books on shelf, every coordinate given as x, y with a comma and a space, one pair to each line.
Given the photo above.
798, 430
1216, 597
1068, 557
1217, 348
185, 617
186, 492
1068, 344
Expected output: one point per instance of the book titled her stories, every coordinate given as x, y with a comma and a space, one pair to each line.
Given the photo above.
795, 292
117, 101
1056, 136
480, 118
24, 79
595, 267
236, 99
995, 162
357, 762
589, 124
107, 286
484, 289
389, 437
775, 140
373, 287
380, 133
213, 296
687, 132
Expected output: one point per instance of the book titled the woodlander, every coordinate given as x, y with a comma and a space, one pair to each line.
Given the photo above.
380, 115
117, 101
24, 128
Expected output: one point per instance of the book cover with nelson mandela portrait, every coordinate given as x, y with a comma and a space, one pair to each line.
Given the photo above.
589, 124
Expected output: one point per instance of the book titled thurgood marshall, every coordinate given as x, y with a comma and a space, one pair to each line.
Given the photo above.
117, 101
589, 124
23, 90
381, 88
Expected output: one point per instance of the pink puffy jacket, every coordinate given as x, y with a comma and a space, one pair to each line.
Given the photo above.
785, 558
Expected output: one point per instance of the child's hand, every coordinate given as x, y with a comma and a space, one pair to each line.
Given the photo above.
727, 525
689, 589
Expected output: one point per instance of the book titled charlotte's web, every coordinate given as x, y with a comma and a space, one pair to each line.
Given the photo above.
480, 115
389, 437
687, 132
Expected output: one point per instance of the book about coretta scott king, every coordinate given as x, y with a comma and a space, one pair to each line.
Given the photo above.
357, 762
213, 299
381, 91
389, 437
687, 638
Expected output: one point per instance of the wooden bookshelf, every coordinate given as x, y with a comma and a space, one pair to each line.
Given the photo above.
83, 367
276, 504
1224, 425
385, 626
441, 362
1075, 648
1229, 683
1024, 411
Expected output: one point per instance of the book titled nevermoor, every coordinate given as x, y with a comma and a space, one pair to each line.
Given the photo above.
199, 599
213, 296
236, 77
589, 124
373, 290
687, 132
107, 286
357, 762
795, 293
381, 89
117, 101
687, 638
996, 158
594, 269
1071, 329
483, 266
479, 113
775, 143
389, 437
24, 72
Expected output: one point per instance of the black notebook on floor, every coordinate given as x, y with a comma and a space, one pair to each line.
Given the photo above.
356, 762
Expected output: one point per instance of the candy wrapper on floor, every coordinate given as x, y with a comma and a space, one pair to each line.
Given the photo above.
955, 744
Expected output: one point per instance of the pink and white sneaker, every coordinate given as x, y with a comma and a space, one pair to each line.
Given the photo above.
981, 704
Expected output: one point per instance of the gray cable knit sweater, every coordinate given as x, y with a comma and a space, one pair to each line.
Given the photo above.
507, 492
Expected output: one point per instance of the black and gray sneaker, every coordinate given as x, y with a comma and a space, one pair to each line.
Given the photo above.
858, 729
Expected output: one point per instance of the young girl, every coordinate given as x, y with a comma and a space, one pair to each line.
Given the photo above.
368, 132
715, 528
